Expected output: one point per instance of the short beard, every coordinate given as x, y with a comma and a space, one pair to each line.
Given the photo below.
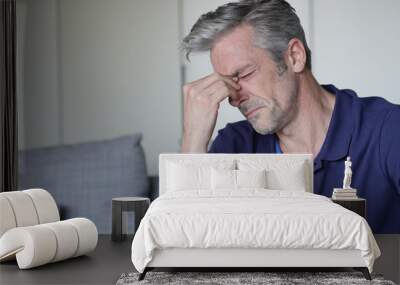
273, 125
266, 131
278, 117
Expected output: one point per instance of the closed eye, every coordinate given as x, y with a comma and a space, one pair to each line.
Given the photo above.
246, 75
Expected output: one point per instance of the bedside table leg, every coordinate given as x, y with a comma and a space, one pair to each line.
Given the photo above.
116, 234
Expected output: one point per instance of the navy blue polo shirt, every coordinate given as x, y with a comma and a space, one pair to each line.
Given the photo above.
367, 130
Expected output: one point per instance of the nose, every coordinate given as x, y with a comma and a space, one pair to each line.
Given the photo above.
238, 99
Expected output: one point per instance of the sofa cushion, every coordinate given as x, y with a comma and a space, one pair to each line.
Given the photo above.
84, 177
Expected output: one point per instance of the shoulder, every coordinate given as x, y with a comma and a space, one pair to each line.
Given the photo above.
389, 142
380, 115
369, 113
375, 104
350, 99
391, 123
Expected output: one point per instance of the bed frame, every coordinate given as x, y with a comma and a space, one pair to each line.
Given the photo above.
249, 259
246, 259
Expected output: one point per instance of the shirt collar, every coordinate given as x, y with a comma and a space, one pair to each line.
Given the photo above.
276, 145
338, 138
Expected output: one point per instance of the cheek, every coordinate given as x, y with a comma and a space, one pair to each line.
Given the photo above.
258, 87
285, 91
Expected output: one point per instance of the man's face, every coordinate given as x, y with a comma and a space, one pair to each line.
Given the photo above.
267, 99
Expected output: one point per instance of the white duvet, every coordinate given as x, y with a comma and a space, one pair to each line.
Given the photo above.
250, 219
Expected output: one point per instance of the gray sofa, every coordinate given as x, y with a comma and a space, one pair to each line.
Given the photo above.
83, 178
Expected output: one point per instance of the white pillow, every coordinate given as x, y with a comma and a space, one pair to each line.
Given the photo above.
251, 178
223, 179
237, 179
293, 179
281, 174
186, 175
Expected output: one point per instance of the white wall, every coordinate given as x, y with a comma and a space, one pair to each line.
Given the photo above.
97, 69
40, 72
356, 46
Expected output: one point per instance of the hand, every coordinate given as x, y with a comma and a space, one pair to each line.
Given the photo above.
200, 109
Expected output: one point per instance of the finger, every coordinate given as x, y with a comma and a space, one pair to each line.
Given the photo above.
232, 81
208, 78
219, 91
211, 79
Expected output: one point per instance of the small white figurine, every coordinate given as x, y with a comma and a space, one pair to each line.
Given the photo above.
347, 174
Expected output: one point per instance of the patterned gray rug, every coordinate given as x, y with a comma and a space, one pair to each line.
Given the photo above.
270, 278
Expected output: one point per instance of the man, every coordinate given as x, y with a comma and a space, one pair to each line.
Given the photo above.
262, 65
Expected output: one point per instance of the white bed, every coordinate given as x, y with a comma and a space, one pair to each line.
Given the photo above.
198, 223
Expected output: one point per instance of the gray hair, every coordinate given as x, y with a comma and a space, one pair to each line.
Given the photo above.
274, 22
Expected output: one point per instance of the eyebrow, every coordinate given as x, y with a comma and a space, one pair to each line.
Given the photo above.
239, 70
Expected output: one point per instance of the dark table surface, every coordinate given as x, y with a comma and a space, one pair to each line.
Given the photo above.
102, 266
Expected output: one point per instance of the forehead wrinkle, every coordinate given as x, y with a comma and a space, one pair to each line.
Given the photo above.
232, 50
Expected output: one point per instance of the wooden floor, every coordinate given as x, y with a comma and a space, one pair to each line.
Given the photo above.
111, 259
389, 262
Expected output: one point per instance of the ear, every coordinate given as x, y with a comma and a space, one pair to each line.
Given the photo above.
296, 55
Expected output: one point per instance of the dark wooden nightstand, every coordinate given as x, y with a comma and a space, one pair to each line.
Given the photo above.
138, 205
357, 205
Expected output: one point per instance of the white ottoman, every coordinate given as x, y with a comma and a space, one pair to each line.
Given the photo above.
31, 232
